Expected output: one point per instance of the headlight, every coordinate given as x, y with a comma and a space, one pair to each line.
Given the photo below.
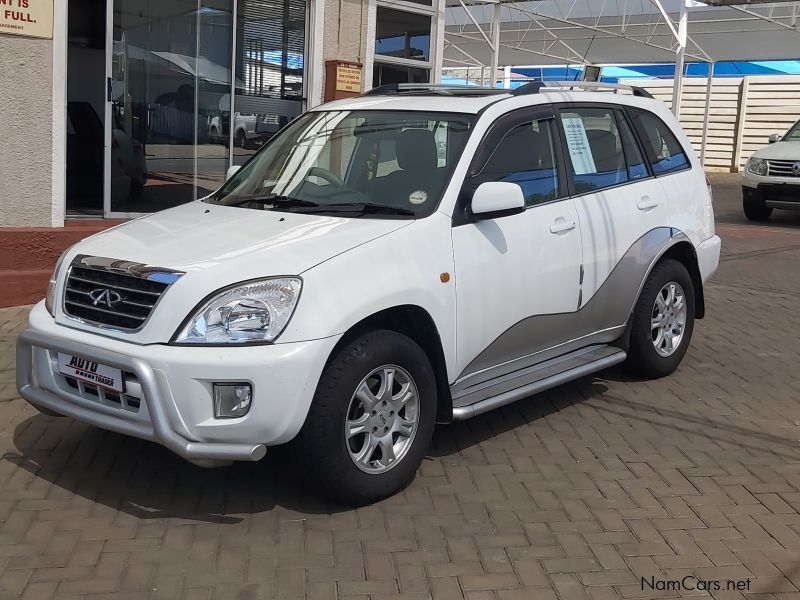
50, 296
757, 166
256, 311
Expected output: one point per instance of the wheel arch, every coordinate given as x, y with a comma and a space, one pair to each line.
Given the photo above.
684, 253
416, 323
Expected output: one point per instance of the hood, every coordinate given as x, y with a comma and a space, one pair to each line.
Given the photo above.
200, 237
218, 246
780, 151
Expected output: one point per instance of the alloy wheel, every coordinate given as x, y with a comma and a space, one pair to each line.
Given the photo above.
382, 419
668, 319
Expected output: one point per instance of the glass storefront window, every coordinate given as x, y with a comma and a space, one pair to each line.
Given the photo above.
422, 2
214, 93
172, 68
154, 116
402, 34
384, 74
269, 71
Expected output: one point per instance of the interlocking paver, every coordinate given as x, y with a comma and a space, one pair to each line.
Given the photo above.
577, 493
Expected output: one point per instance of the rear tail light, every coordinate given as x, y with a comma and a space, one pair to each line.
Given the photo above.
710, 189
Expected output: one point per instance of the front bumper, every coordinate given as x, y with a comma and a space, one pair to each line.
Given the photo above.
168, 395
775, 193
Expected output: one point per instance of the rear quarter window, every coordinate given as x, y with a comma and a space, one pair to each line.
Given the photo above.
663, 150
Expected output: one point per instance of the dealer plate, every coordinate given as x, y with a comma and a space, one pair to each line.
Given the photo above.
90, 372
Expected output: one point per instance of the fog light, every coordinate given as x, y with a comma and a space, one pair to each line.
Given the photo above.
232, 400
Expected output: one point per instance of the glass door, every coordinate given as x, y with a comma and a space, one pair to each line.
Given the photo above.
269, 64
192, 87
169, 83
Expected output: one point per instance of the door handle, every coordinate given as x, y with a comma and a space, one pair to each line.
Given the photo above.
646, 203
562, 226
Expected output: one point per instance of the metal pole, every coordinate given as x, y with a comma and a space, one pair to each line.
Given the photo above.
677, 86
495, 43
232, 104
706, 116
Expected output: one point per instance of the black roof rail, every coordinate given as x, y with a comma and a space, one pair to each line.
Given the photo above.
433, 89
641, 92
534, 87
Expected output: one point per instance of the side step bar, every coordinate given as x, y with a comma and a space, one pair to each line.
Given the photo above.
575, 366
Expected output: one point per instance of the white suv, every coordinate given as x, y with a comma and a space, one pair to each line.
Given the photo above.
771, 178
411, 256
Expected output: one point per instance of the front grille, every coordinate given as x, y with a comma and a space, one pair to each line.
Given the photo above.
783, 168
112, 293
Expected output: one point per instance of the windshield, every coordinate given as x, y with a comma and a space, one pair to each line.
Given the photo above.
794, 134
384, 164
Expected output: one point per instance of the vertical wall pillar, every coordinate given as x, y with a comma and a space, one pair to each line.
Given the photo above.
706, 116
437, 49
741, 119
58, 199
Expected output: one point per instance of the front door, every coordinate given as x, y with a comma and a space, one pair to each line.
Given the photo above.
517, 277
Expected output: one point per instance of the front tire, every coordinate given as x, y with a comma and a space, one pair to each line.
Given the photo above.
756, 209
662, 321
371, 419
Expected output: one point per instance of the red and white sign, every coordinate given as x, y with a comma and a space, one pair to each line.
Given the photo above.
32, 18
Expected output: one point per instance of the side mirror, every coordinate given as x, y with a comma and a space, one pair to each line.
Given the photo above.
495, 199
775, 137
232, 170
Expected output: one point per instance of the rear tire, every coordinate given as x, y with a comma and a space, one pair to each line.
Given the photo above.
662, 321
756, 209
393, 415
241, 139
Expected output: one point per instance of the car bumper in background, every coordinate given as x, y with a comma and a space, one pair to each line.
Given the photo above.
774, 194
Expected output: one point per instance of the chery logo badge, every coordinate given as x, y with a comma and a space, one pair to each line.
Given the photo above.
105, 297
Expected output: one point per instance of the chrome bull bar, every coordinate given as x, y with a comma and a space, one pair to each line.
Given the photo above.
160, 429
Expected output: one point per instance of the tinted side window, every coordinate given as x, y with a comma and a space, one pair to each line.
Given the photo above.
637, 168
594, 144
526, 156
662, 148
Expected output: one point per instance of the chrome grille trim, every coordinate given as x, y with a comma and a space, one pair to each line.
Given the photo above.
106, 311
782, 168
132, 292
139, 304
118, 287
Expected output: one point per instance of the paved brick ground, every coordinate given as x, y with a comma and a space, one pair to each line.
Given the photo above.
577, 493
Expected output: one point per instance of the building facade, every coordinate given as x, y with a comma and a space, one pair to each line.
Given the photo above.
126, 107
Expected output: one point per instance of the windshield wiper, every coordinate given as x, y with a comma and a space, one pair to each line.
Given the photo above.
277, 200
365, 208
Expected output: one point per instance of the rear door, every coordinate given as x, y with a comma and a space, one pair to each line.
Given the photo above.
617, 199
686, 204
